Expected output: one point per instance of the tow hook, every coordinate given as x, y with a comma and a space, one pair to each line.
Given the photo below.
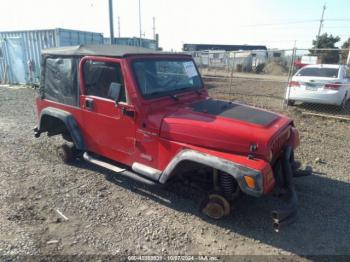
286, 214
36, 132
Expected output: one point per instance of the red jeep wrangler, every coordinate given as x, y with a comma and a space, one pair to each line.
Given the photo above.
149, 111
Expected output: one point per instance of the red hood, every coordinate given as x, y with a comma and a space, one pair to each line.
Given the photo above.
224, 126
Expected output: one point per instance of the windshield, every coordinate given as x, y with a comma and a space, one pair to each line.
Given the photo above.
319, 72
160, 77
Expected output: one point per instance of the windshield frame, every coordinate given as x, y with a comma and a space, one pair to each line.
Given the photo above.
168, 93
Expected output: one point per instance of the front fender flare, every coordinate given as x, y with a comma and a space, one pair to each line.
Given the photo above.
234, 169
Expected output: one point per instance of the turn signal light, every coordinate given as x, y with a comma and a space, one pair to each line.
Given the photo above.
333, 86
269, 180
293, 84
249, 181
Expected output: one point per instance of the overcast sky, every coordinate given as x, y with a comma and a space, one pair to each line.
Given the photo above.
269, 22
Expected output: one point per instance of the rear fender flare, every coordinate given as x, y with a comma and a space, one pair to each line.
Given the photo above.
68, 120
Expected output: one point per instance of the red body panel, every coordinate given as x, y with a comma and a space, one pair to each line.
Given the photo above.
162, 127
235, 136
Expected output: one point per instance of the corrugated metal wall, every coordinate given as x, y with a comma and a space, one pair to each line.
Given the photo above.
32, 44
74, 37
2, 68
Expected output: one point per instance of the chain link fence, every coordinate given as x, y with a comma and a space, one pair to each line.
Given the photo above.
280, 80
273, 82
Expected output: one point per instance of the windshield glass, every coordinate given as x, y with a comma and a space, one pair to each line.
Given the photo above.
164, 76
319, 72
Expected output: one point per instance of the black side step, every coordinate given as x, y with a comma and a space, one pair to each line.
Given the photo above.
121, 171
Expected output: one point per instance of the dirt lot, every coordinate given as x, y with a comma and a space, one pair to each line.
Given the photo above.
110, 215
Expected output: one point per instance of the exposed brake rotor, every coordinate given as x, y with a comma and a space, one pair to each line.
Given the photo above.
216, 206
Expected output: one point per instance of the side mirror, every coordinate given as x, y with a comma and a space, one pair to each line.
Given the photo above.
114, 91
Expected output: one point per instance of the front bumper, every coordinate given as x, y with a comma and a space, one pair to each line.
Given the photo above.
36, 132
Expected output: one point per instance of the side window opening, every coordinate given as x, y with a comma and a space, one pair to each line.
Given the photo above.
98, 77
60, 80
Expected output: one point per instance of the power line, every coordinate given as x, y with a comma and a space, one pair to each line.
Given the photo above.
283, 23
327, 26
337, 19
341, 35
299, 22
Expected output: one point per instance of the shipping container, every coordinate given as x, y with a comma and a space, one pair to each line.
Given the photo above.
133, 41
20, 51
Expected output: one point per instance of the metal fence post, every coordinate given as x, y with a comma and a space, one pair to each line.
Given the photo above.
208, 61
290, 73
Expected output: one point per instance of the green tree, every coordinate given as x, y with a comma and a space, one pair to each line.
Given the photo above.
344, 53
326, 41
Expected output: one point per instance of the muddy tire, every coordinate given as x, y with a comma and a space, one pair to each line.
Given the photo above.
290, 102
66, 153
342, 106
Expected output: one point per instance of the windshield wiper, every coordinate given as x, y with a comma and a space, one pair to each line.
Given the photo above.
190, 89
174, 97
170, 95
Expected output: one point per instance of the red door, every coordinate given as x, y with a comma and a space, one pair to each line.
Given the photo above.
108, 131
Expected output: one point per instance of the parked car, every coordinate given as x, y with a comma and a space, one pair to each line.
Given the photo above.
147, 116
321, 84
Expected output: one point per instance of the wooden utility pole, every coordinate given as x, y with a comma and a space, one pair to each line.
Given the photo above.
140, 22
111, 29
119, 26
154, 28
321, 24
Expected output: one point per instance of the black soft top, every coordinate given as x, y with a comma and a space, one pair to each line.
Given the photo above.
102, 50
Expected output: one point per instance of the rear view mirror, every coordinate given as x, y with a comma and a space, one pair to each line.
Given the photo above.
114, 91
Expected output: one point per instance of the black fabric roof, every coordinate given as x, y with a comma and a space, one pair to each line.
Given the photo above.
100, 50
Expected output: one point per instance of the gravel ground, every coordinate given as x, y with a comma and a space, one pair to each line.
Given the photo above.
110, 215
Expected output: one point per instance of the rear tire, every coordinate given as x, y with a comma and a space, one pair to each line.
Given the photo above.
343, 103
290, 102
66, 153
